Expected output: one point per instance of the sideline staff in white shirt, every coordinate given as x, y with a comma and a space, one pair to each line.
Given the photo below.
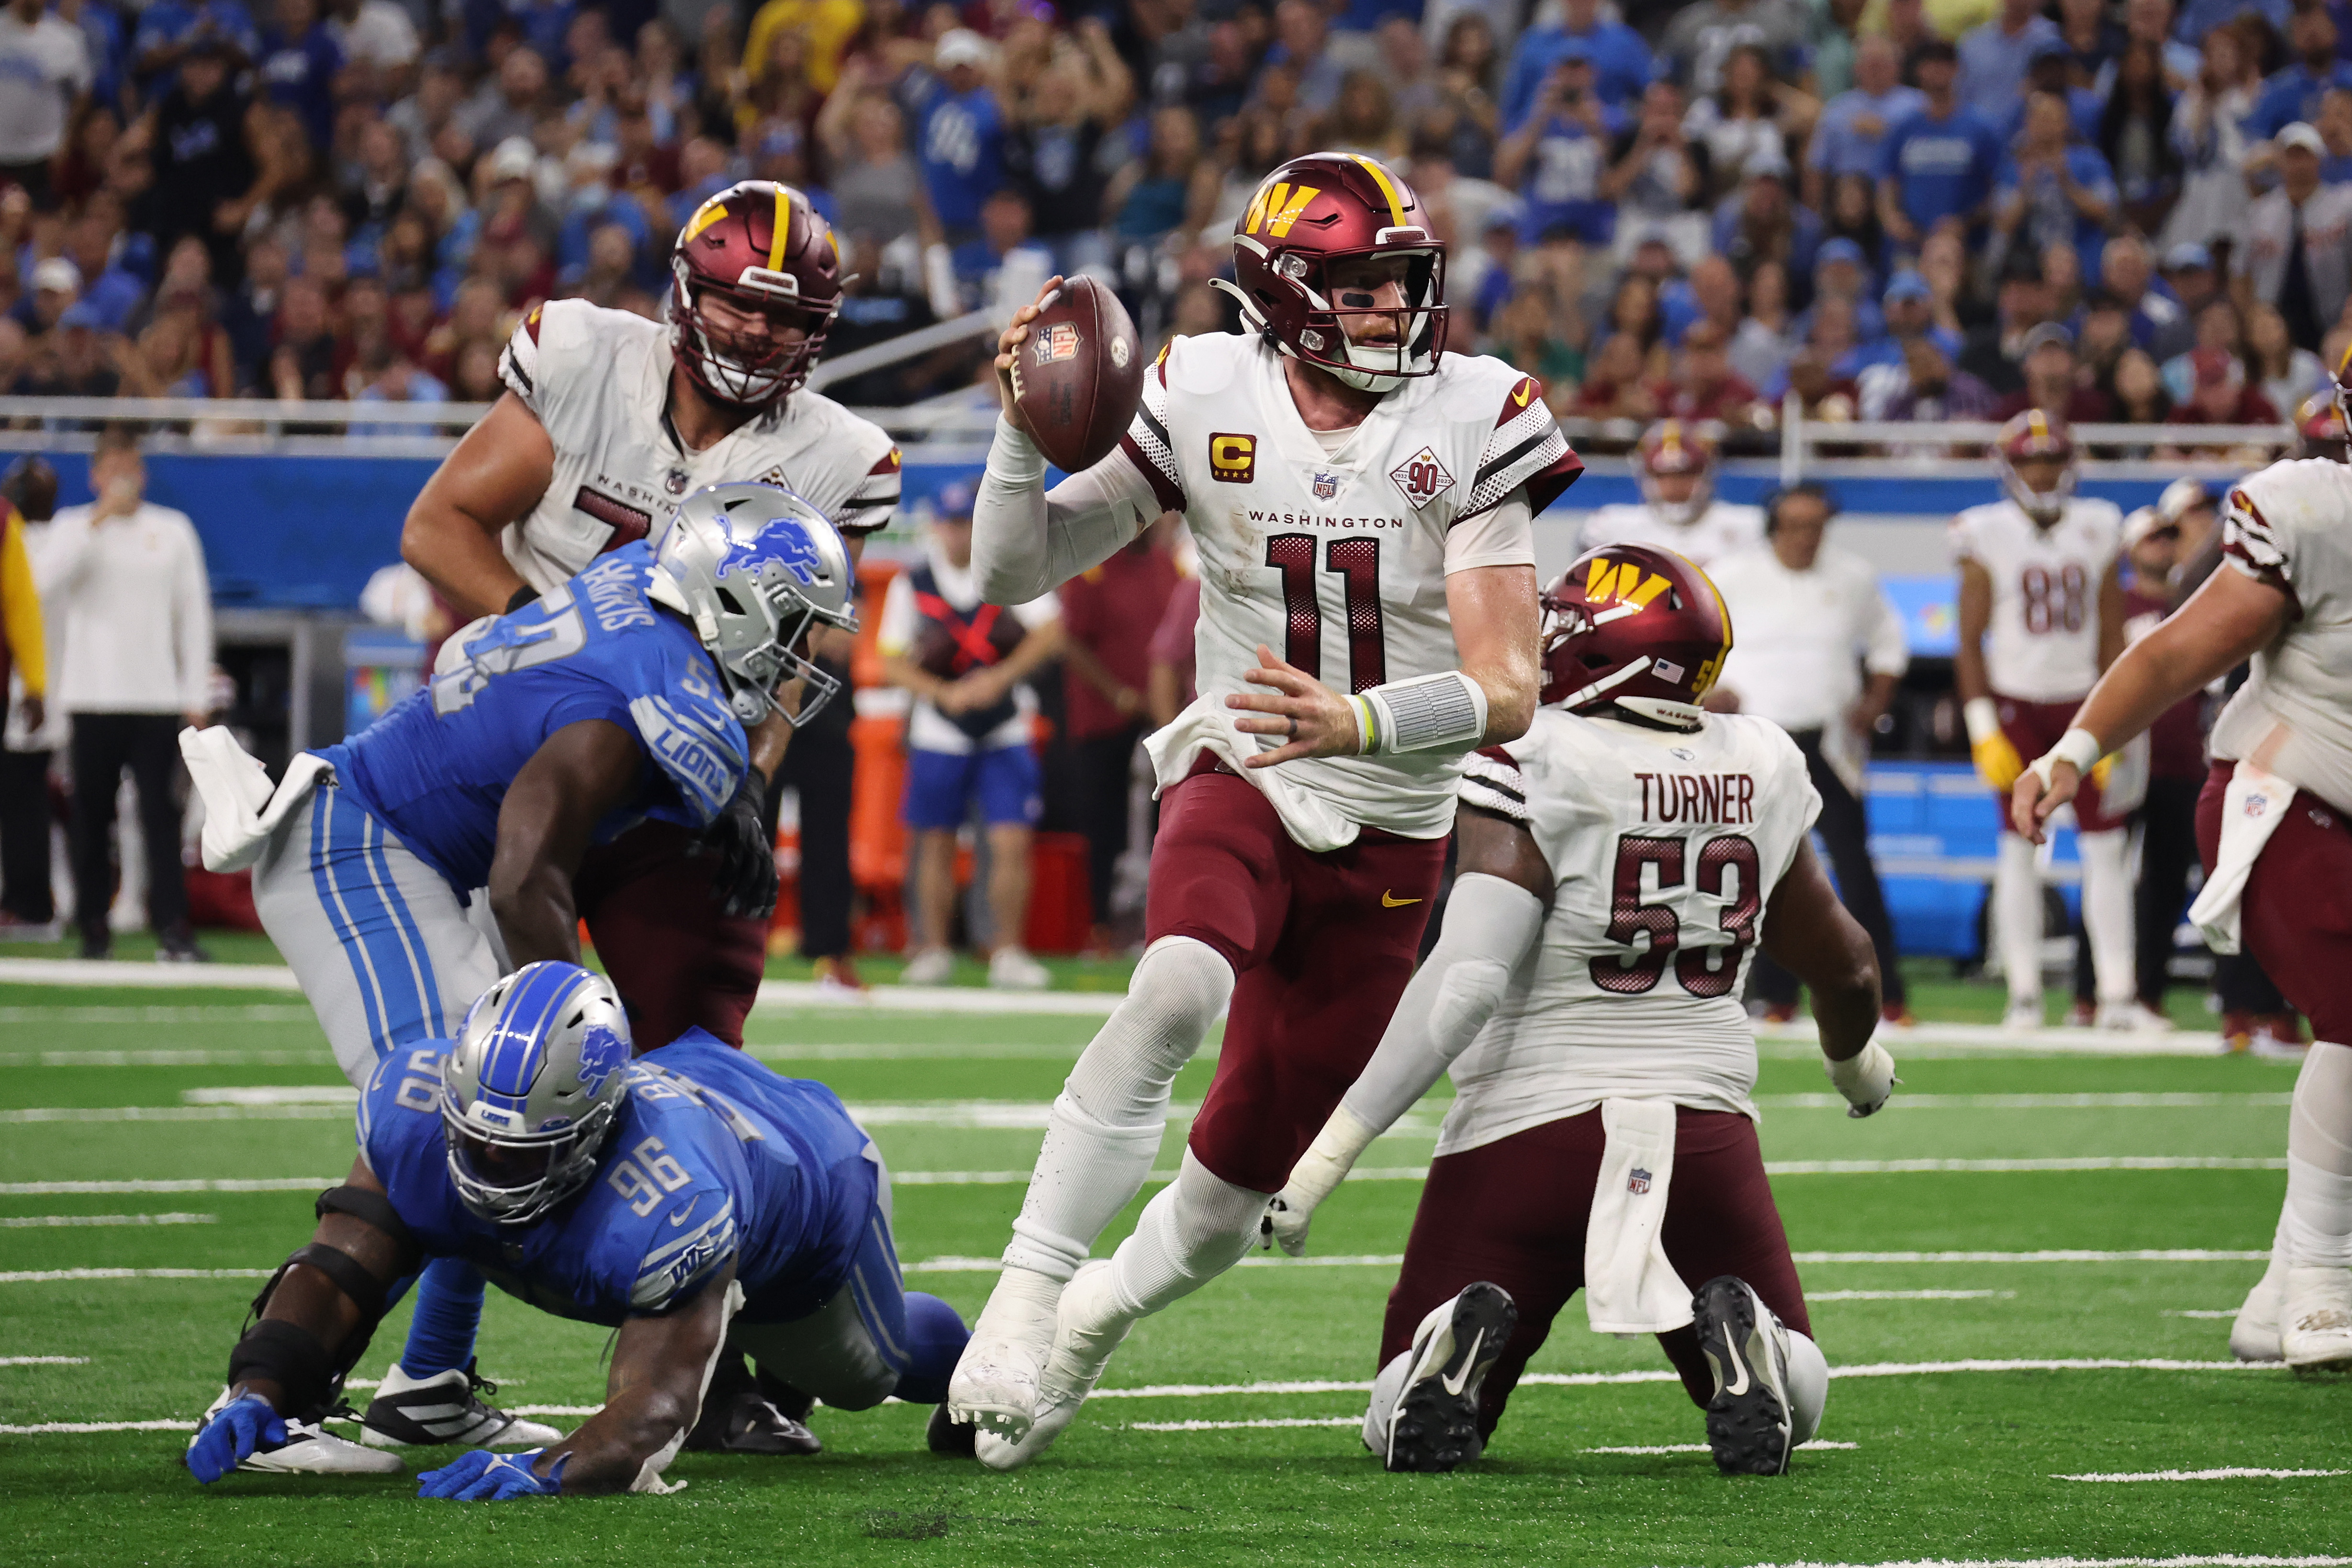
126, 580
1809, 621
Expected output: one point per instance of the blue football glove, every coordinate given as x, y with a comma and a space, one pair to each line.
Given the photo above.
235, 1430
480, 1475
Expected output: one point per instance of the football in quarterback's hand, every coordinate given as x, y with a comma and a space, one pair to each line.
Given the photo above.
1079, 375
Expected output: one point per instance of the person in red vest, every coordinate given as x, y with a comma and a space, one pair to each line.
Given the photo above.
967, 739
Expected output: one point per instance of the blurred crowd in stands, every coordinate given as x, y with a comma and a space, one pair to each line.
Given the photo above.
1891, 209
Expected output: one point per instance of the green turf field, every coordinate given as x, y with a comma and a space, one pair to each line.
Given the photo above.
2171, 1154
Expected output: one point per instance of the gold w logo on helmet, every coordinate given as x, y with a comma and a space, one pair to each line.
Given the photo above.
1278, 206
1623, 581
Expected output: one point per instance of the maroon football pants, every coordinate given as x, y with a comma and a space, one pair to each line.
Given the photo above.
2295, 916
1321, 946
676, 958
1513, 1211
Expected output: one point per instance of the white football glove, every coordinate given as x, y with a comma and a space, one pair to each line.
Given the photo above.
1284, 1224
1867, 1081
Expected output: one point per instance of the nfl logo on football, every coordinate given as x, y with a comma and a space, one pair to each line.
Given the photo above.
1325, 486
1638, 1183
1057, 341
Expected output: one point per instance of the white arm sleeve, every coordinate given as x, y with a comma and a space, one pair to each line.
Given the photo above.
1490, 926
1027, 542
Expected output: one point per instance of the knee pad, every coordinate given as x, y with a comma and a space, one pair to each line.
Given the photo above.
1473, 988
1178, 993
1809, 1386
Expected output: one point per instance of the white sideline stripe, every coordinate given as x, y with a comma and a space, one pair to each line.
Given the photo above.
2228, 1473
188, 1185
29, 1222
47, 1275
1700, 1447
44, 1361
1812, 1296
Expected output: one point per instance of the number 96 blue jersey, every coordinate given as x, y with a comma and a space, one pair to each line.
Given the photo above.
713, 1159
436, 767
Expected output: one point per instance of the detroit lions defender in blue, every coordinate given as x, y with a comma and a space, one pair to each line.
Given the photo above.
693, 1199
403, 871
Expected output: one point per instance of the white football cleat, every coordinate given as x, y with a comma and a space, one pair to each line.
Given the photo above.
932, 966
1089, 1327
2315, 1328
2133, 1017
2254, 1336
994, 1385
308, 1449
1014, 970
425, 1412
1434, 1425
2025, 1013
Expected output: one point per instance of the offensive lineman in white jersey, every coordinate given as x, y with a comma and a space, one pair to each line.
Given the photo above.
1362, 504
1674, 464
1619, 863
2041, 613
2275, 828
608, 420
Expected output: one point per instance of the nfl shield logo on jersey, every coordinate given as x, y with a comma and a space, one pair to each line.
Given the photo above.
1422, 477
1638, 1183
1325, 486
675, 481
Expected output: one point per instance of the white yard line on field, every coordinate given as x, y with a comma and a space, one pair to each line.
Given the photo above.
202, 1013
50, 1275
2227, 1473
1699, 1447
2050, 1255
1814, 1296
37, 1221
1278, 1421
44, 1361
2207, 1312
186, 1185
46, 1428
2221, 1560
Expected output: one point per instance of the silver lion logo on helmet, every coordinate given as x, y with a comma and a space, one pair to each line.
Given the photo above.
531, 1088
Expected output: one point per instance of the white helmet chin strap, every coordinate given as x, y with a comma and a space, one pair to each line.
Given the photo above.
1664, 710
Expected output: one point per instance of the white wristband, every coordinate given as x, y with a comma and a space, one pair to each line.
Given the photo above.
1327, 1160
1446, 711
2077, 747
1982, 716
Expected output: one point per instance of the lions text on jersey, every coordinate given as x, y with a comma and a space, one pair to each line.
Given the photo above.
598, 381
436, 767
1666, 846
712, 1160
2042, 642
1333, 548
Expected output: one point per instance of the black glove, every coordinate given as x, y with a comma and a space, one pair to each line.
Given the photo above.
745, 883
526, 594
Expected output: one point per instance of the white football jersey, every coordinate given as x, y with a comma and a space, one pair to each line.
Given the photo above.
2291, 526
1665, 847
2042, 642
1719, 530
598, 381
1337, 561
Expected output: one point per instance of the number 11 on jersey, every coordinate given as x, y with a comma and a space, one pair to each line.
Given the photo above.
1356, 562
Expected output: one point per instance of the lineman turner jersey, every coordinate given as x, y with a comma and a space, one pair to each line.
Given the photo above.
598, 381
1720, 530
1667, 846
2042, 642
712, 1158
1337, 560
2291, 526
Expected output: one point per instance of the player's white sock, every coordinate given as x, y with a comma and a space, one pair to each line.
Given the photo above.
1105, 1128
2016, 915
1387, 1389
1192, 1230
2317, 1219
2108, 918
1808, 1384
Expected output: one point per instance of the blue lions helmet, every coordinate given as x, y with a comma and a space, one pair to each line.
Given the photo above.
530, 1090
756, 569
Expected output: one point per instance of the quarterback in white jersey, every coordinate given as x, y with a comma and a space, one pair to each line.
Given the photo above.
1674, 464
2275, 828
1619, 865
1363, 503
2041, 613
607, 422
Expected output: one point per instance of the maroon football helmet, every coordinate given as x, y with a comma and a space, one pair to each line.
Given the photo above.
2034, 434
761, 248
1313, 213
1639, 627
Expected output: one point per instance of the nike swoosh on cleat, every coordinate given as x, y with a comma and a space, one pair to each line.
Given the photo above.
1739, 1384
1454, 1385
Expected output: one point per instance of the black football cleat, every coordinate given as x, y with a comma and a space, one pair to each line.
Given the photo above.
947, 1435
747, 1414
1434, 1426
1748, 1420
446, 1408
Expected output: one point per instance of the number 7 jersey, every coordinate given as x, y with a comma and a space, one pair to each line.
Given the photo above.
1664, 848
1337, 560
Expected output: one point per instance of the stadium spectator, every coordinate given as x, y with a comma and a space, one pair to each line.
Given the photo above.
1659, 181
1705, 386
1834, 44
2283, 373
1053, 144
1554, 159
2297, 253
2293, 93
2134, 136
2221, 395
27, 497
126, 580
1622, 63
2175, 770
2052, 190
1750, 119
298, 68
962, 133
2190, 274
45, 66
1995, 352
2055, 382
2139, 390
2209, 129
1994, 57
1762, 221
1926, 385
1700, 38
1937, 164
1615, 385
968, 739
1109, 616
1849, 137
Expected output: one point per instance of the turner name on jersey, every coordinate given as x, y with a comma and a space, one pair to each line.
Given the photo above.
2042, 642
1337, 558
598, 381
1665, 849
